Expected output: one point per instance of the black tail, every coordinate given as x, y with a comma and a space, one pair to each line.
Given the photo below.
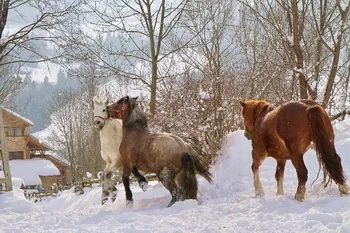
201, 169
321, 133
186, 179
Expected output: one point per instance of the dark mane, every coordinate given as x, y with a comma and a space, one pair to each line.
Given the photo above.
260, 108
137, 118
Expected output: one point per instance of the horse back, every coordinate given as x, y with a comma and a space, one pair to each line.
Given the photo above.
167, 149
286, 129
151, 152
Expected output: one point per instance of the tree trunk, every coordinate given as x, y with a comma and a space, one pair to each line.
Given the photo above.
297, 34
336, 54
153, 89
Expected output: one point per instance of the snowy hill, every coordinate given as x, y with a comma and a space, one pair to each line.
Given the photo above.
227, 205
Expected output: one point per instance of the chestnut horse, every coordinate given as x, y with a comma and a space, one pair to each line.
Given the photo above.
110, 136
166, 155
286, 133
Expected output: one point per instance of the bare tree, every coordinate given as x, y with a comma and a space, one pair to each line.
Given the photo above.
33, 23
10, 83
38, 27
198, 103
311, 64
73, 134
140, 29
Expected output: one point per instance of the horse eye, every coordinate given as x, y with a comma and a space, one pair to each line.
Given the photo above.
104, 110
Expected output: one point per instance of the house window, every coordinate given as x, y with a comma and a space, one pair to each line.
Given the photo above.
14, 132
16, 155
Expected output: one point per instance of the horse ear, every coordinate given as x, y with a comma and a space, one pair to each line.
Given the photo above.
105, 102
126, 98
242, 103
94, 99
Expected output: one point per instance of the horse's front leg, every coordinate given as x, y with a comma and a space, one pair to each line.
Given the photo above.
126, 182
279, 175
140, 179
301, 169
258, 159
108, 188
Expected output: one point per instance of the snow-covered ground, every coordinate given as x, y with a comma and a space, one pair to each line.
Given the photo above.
227, 205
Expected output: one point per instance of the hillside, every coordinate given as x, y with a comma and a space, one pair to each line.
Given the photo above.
227, 205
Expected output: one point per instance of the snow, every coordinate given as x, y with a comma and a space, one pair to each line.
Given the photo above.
204, 95
17, 182
227, 205
29, 170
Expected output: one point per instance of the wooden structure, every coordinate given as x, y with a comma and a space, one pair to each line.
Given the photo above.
17, 134
4, 155
21, 145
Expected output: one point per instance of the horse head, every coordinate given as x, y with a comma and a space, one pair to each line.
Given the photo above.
251, 110
128, 110
122, 108
100, 112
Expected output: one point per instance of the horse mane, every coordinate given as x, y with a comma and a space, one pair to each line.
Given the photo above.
136, 116
259, 108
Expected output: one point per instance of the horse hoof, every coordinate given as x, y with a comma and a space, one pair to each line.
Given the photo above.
344, 190
104, 200
279, 193
113, 197
171, 203
129, 204
299, 197
144, 186
259, 194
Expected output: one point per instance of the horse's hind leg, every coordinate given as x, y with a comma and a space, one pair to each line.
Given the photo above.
257, 161
140, 179
186, 179
279, 175
298, 163
167, 177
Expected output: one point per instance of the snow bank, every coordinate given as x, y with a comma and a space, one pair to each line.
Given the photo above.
15, 202
30, 169
227, 205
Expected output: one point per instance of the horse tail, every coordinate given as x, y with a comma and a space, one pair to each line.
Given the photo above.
322, 136
186, 179
201, 169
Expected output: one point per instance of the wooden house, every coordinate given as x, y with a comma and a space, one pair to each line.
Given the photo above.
21, 145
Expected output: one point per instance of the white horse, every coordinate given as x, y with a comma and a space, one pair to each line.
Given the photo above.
111, 135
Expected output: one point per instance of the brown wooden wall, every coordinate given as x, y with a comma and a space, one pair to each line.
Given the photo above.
17, 143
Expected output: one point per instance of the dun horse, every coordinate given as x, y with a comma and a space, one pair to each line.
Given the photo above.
164, 154
286, 133
110, 136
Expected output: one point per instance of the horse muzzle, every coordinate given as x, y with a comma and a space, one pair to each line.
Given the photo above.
247, 135
98, 124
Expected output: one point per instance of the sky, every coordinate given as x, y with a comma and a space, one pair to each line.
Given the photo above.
226, 205
17, 18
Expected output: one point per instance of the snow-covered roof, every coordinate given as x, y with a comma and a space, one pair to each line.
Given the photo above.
43, 137
17, 115
30, 169
37, 141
